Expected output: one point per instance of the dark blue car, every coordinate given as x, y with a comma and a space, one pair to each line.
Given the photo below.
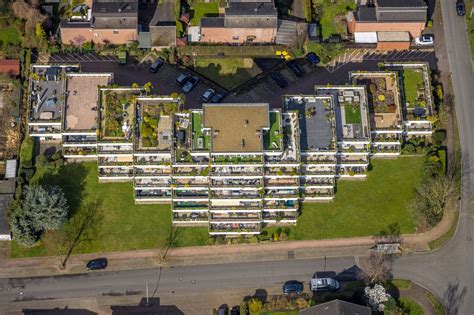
97, 264
312, 58
293, 286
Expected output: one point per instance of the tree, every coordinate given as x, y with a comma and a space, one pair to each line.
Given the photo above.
40, 209
255, 306
83, 227
376, 297
39, 31
378, 267
148, 86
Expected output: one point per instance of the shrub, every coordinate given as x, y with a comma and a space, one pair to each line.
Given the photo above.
41, 161
439, 136
255, 306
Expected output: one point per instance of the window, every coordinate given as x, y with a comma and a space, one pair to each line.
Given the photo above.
116, 32
235, 37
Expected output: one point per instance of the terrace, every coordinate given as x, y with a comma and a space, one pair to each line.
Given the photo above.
416, 89
234, 228
350, 111
234, 216
82, 95
237, 159
229, 170
316, 121
117, 114
280, 204
279, 216
182, 132
272, 138
47, 93
318, 181
181, 217
190, 182
383, 99
201, 137
240, 182
155, 118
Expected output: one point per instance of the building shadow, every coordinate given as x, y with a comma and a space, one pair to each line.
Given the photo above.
58, 311
153, 306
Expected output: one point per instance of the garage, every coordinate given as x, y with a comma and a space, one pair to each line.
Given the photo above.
365, 37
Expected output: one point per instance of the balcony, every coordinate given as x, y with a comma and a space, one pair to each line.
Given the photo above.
278, 216
236, 171
115, 172
152, 194
79, 151
235, 194
152, 160
190, 182
318, 181
282, 181
353, 159
280, 171
152, 171
317, 192
281, 193
115, 149
318, 159
149, 182
190, 194
240, 182
190, 205
235, 216
232, 159
234, 228
281, 204
180, 217
314, 169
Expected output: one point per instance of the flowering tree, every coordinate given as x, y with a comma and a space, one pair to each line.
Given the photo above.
376, 297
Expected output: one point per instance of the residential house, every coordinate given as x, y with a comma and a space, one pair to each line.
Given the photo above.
243, 22
10, 67
160, 31
337, 307
114, 22
391, 24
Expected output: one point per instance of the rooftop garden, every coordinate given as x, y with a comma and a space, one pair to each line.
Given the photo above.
381, 94
118, 114
200, 10
272, 139
413, 87
201, 141
352, 113
149, 126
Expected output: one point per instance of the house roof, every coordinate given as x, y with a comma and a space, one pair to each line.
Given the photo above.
164, 14
393, 36
236, 127
366, 13
402, 3
212, 22
337, 307
115, 8
10, 66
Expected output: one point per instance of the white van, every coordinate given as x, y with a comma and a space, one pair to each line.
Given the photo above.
324, 284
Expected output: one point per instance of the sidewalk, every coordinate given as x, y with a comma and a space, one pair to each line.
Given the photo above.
141, 259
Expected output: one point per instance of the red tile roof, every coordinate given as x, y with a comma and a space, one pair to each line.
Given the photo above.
10, 66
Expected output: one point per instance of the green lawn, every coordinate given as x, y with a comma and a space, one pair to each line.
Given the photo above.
197, 131
362, 208
271, 137
411, 306
412, 82
124, 225
203, 9
352, 114
227, 72
330, 9
10, 35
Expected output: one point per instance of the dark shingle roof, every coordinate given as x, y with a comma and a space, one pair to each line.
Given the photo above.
401, 3
212, 22
113, 9
365, 13
337, 307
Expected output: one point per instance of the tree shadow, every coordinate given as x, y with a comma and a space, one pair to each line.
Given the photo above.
453, 297
392, 234
260, 294
71, 179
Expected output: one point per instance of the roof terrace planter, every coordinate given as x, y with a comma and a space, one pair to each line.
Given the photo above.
201, 138
273, 138
237, 159
118, 114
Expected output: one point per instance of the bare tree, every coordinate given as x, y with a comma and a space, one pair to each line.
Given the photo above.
378, 267
83, 227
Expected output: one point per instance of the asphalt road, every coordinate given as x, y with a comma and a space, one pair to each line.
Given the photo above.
178, 281
449, 271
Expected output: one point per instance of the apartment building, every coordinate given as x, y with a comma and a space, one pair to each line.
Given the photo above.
352, 129
385, 110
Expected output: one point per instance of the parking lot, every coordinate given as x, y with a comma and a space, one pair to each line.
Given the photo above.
264, 90
164, 81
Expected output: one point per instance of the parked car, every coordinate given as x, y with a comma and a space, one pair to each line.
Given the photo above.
156, 65
279, 80
324, 284
296, 68
460, 8
293, 286
207, 95
312, 58
424, 40
216, 98
97, 264
191, 84
183, 78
